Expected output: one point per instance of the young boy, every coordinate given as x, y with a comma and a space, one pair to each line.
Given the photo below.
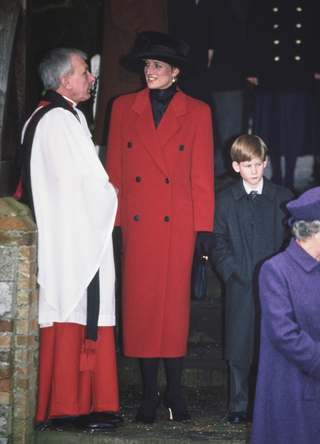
249, 227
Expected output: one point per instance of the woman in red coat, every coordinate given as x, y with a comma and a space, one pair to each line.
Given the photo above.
160, 157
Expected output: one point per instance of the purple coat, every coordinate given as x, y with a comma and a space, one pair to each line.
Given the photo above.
287, 404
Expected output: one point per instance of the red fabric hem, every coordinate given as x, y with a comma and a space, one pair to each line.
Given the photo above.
63, 388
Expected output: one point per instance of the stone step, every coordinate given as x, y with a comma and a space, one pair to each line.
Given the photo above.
208, 409
145, 435
203, 367
206, 320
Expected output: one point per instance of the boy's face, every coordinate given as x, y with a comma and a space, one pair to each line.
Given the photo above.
251, 171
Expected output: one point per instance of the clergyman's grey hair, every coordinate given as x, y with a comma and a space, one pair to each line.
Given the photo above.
302, 230
56, 64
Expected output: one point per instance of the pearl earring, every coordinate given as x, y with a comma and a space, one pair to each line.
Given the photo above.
173, 79
316, 236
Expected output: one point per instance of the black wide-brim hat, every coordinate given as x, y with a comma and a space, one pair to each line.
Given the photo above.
158, 46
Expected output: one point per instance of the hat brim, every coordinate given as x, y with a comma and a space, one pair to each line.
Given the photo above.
135, 62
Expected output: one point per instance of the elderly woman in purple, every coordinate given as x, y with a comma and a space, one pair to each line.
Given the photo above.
287, 404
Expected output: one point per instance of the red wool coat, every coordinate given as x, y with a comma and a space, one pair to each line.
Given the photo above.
166, 195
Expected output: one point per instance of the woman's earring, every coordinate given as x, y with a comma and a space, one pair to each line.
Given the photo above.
316, 236
173, 79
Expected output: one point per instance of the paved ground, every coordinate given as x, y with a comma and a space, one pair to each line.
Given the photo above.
208, 424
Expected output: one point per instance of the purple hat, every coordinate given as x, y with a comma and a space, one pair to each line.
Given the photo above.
306, 207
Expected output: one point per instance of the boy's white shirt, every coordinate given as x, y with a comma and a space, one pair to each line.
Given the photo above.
258, 188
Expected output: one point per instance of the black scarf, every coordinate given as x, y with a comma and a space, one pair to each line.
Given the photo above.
160, 99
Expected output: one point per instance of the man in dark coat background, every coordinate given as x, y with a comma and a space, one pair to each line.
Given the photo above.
226, 80
282, 58
191, 21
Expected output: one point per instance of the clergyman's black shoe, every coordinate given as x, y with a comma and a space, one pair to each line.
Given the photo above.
237, 418
98, 423
65, 421
105, 416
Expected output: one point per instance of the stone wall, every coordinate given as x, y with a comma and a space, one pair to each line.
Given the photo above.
18, 322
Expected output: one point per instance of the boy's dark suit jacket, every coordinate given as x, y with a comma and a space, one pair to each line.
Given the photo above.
246, 232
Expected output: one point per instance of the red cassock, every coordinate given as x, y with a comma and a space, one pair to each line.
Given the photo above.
63, 388
166, 195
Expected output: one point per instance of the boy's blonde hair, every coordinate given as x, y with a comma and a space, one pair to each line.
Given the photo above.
247, 147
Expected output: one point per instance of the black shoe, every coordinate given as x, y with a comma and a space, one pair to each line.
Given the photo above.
105, 416
65, 422
177, 410
94, 422
150, 416
237, 418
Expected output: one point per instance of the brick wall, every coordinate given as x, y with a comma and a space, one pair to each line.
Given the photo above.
18, 322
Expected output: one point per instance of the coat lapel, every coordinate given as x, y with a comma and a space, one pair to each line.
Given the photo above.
169, 124
146, 129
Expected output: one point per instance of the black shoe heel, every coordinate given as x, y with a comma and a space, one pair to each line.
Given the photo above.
176, 414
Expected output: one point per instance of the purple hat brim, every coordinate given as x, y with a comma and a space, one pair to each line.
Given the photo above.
306, 207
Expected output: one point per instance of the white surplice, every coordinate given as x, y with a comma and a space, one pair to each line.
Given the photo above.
75, 207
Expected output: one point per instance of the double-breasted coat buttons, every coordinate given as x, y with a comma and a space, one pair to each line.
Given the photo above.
181, 147
166, 218
276, 58
129, 144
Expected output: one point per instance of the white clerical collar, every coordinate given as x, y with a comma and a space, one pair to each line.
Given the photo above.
258, 188
71, 102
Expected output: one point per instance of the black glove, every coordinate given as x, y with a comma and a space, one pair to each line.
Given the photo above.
204, 240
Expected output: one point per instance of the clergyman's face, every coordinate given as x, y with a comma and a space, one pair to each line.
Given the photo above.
81, 80
159, 75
